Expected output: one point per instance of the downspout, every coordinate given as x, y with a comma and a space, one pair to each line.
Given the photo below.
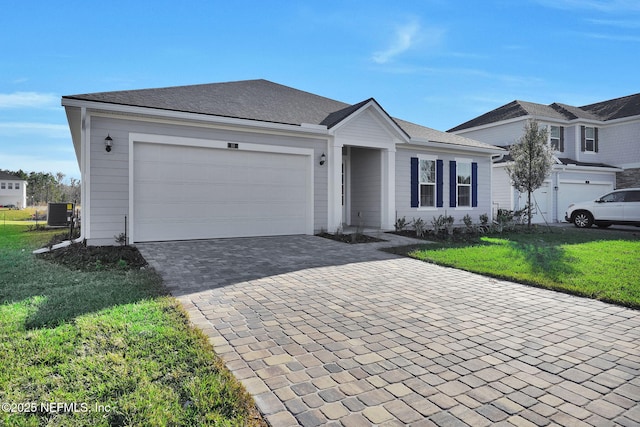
84, 170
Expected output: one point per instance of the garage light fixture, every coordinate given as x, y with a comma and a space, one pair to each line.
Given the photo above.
108, 142
323, 159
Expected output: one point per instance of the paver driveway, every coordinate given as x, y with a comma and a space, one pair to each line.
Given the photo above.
322, 332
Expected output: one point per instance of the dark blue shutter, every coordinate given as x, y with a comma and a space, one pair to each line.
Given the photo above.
439, 183
595, 139
474, 185
453, 182
414, 182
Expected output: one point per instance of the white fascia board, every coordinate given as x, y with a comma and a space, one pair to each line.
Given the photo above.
194, 117
577, 168
622, 120
443, 146
491, 125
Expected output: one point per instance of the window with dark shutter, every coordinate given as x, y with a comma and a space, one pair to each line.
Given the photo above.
439, 183
589, 139
453, 183
426, 182
414, 183
474, 184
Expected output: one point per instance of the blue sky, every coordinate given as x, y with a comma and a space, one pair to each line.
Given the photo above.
437, 63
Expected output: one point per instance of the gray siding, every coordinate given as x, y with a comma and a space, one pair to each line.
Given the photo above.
109, 180
502, 190
500, 135
403, 186
620, 144
366, 187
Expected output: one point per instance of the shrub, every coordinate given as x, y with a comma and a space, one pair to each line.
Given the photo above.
401, 223
419, 226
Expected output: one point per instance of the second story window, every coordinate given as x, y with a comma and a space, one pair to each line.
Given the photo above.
556, 138
10, 186
589, 139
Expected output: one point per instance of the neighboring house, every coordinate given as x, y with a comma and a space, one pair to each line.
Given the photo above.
13, 190
597, 149
255, 158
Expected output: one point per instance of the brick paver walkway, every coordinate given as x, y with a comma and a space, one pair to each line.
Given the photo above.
324, 333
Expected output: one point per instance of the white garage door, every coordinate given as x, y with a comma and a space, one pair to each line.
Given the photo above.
184, 192
572, 192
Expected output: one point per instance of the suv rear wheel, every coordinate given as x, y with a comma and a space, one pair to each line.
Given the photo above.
582, 219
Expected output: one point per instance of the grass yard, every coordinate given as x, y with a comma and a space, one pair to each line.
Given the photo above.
600, 264
103, 348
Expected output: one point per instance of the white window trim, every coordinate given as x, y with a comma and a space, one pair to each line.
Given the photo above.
550, 141
586, 138
435, 184
470, 185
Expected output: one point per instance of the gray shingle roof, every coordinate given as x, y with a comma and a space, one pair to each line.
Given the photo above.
259, 100
8, 176
618, 108
607, 110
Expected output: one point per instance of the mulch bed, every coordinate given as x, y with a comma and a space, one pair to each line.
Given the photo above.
350, 238
91, 258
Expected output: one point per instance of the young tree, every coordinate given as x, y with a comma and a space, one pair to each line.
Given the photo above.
532, 161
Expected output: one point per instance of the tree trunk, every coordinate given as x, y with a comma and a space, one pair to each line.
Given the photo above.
529, 209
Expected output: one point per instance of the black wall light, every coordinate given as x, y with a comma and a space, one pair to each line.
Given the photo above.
323, 159
108, 142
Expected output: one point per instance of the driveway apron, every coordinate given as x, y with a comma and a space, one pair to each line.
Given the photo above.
325, 333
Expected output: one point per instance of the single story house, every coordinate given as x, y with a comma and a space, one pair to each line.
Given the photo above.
596, 146
13, 190
256, 158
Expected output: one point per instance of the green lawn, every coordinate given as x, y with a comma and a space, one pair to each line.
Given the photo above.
111, 342
601, 264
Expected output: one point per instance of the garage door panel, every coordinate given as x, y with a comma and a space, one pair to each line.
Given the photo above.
193, 193
572, 192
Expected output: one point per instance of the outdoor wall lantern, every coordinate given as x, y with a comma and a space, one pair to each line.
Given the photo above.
108, 142
323, 159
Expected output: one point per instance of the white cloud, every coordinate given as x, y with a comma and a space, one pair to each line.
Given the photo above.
607, 6
622, 23
613, 37
40, 129
404, 39
28, 100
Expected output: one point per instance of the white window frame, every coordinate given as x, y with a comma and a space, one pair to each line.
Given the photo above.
552, 138
433, 159
16, 186
460, 162
3, 185
10, 186
587, 139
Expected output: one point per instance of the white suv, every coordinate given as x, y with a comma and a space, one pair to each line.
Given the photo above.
617, 207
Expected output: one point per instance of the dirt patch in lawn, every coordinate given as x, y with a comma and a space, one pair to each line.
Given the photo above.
92, 258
